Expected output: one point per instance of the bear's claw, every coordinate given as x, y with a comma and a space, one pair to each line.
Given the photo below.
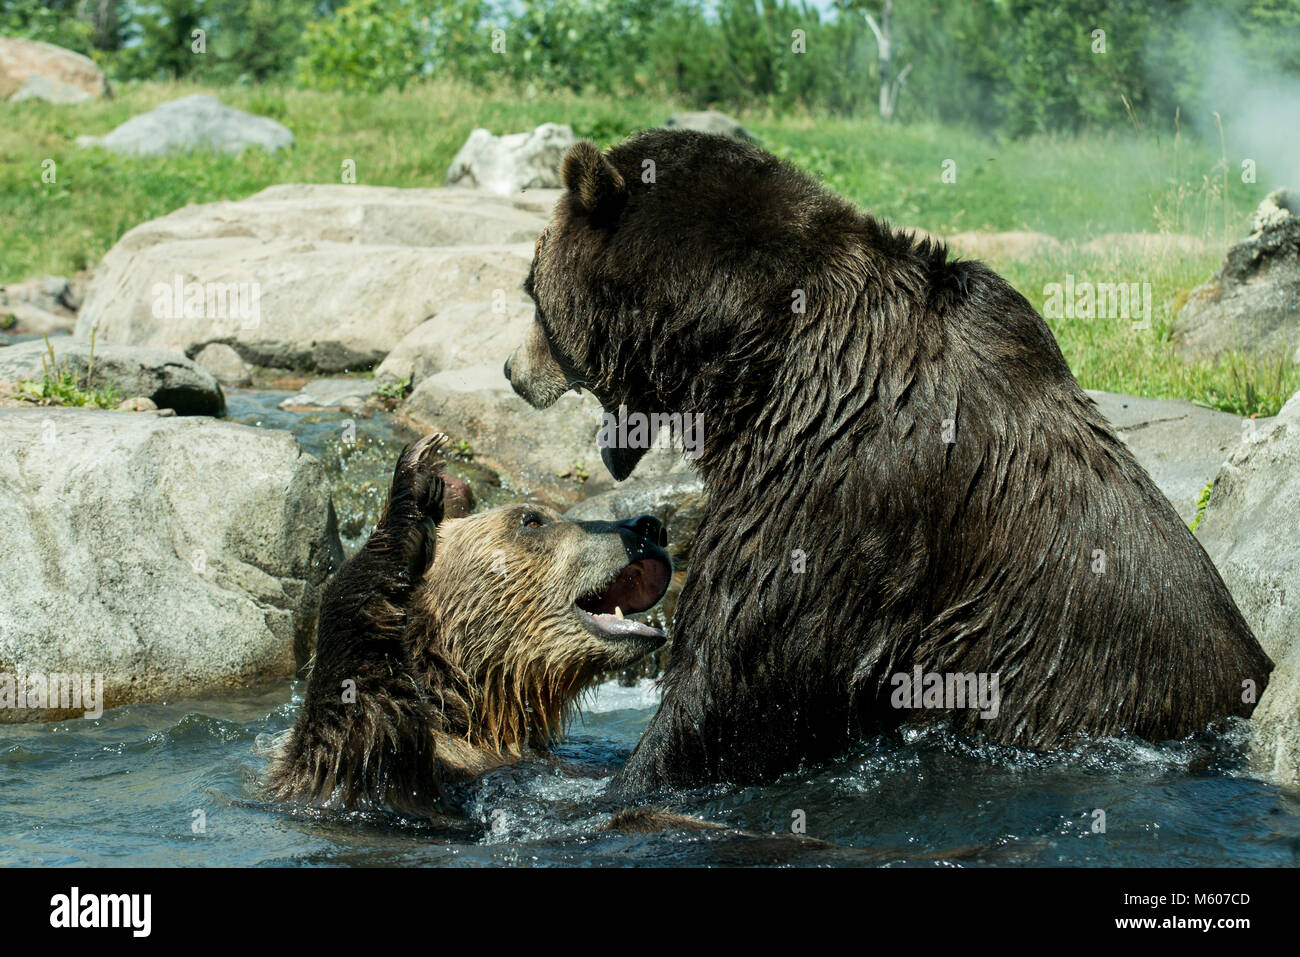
418, 476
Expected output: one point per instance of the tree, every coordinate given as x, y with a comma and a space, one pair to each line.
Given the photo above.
890, 85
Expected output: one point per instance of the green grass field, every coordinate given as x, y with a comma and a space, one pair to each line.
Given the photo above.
1074, 188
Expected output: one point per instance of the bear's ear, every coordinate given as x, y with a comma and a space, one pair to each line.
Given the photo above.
596, 186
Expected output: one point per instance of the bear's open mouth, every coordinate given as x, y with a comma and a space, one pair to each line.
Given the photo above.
634, 588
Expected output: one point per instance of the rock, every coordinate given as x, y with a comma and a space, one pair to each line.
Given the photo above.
1125, 246
196, 122
1253, 302
326, 278
505, 165
225, 364
1009, 246
177, 557
33, 320
710, 121
383, 216
1181, 445
50, 90
464, 334
329, 393
41, 306
56, 70
477, 405
1251, 530
51, 293
546, 451
138, 404
168, 378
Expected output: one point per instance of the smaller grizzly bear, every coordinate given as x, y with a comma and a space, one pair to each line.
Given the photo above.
446, 648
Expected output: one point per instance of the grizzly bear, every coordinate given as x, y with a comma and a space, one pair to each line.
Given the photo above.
911, 500
446, 648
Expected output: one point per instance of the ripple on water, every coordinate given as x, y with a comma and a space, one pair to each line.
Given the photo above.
125, 788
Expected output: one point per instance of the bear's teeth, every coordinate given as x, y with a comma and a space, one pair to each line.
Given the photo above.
618, 612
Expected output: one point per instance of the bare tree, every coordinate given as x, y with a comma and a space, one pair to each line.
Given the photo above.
104, 17
890, 85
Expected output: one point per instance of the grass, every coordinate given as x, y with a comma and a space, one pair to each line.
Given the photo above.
60, 386
1075, 188
1202, 502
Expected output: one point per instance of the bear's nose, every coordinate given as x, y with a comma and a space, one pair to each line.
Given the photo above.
507, 369
647, 527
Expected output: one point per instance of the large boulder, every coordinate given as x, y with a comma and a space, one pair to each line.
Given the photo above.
1181, 445
168, 378
508, 164
173, 556
353, 214
45, 71
550, 454
1251, 529
545, 452
1253, 301
330, 277
193, 123
460, 335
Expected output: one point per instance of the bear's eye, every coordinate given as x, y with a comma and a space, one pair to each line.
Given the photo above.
531, 520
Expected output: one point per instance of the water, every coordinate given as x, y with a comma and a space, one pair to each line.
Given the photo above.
358, 453
134, 786
125, 789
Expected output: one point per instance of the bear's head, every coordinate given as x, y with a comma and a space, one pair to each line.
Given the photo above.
522, 609
663, 278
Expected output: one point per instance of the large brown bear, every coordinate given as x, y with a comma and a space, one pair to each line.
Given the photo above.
435, 665
906, 484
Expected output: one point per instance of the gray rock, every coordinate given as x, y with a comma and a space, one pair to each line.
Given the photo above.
168, 378
329, 393
460, 335
477, 405
710, 121
542, 450
1251, 530
505, 165
34, 320
225, 364
1181, 445
192, 123
47, 304
354, 215
1253, 301
176, 557
324, 278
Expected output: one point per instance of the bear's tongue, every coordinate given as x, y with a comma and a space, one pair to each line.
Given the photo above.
635, 588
